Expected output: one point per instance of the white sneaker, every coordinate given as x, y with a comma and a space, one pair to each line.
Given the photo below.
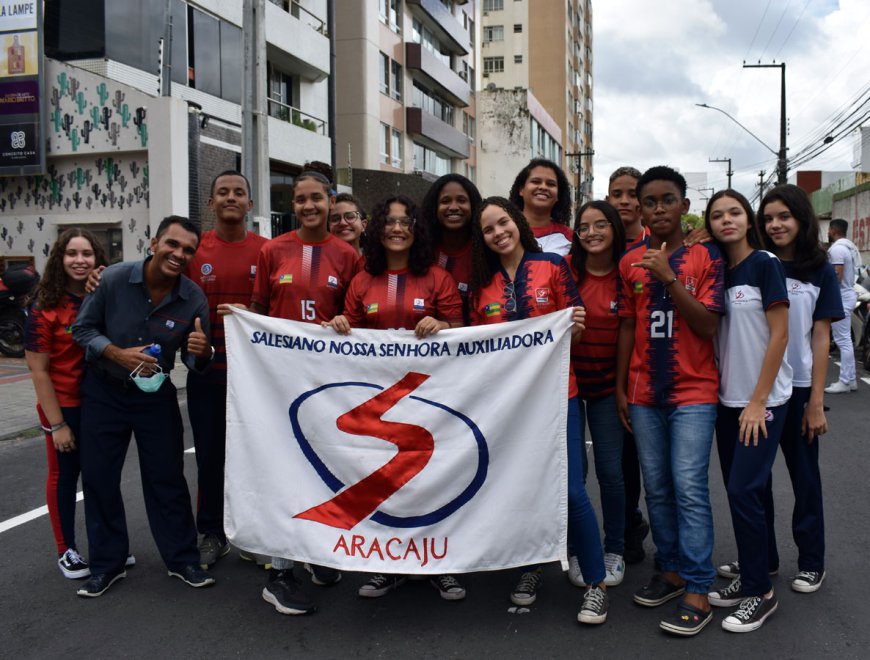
840, 387
575, 577
614, 569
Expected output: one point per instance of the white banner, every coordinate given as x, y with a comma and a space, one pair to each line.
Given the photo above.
381, 452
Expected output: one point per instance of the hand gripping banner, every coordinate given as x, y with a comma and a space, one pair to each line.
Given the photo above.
384, 453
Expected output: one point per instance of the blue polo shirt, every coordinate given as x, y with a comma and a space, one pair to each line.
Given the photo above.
120, 312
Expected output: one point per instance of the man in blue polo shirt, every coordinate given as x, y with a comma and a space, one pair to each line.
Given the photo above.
125, 390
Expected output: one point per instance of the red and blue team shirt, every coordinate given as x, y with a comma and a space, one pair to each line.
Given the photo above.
303, 281
458, 264
670, 364
225, 271
637, 240
554, 237
543, 284
594, 356
50, 331
399, 299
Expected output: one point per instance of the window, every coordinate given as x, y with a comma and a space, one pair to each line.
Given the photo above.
493, 5
396, 153
422, 35
385, 144
518, 27
429, 160
384, 73
396, 80
493, 33
388, 12
432, 103
470, 172
493, 64
468, 126
518, 59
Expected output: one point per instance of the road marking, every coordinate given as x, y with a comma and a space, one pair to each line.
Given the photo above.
866, 380
192, 450
6, 525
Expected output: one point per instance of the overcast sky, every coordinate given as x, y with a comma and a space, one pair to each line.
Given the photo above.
654, 60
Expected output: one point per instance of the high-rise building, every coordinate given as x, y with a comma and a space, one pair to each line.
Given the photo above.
405, 110
543, 47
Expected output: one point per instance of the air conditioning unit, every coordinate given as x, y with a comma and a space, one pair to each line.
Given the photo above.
486, 75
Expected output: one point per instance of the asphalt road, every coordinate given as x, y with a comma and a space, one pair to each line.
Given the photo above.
150, 615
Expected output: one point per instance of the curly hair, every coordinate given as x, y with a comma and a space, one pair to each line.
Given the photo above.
484, 262
561, 211
50, 290
429, 208
808, 254
420, 257
578, 254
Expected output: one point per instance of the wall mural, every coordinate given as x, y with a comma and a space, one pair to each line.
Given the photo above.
97, 167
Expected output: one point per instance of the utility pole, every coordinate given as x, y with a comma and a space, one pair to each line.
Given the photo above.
578, 155
255, 118
724, 160
761, 184
782, 162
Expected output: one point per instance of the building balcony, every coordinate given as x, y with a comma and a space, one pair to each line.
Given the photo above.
440, 134
433, 71
444, 24
296, 44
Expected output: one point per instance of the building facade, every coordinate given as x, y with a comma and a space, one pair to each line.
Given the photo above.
405, 97
545, 48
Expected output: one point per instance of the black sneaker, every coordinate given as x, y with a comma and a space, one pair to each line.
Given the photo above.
686, 621
634, 552
526, 591
323, 576
380, 584
283, 591
728, 596
193, 576
807, 581
751, 614
97, 585
732, 569
211, 548
594, 608
659, 590
448, 586
73, 565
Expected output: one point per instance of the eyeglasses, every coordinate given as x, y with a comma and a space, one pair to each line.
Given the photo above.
599, 225
511, 302
404, 222
347, 216
667, 202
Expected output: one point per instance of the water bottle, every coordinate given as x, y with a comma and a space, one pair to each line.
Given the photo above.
153, 350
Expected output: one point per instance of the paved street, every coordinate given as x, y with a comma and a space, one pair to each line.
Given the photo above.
150, 615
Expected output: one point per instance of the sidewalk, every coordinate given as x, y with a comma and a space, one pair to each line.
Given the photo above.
18, 400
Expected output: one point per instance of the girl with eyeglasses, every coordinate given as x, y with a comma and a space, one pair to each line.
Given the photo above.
56, 366
512, 279
542, 192
598, 242
755, 385
447, 210
401, 289
347, 220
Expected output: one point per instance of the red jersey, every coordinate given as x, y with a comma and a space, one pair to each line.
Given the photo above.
543, 284
458, 264
303, 281
670, 364
594, 356
50, 331
637, 240
399, 299
225, 271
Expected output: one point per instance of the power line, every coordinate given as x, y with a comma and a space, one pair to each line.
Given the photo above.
788, 36
772, 34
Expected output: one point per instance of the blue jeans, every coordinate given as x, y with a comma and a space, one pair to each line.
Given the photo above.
607, 439
583, 535
673, 445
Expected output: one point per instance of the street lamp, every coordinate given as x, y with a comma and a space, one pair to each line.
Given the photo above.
760, 141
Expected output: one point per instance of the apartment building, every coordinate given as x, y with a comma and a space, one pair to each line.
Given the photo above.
405, 97
543, 47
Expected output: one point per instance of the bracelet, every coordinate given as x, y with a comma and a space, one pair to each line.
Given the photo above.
667, 284
53, 429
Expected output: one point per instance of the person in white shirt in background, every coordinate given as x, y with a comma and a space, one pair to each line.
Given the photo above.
845, 258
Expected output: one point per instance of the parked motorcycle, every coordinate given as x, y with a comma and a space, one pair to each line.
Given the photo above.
16, 283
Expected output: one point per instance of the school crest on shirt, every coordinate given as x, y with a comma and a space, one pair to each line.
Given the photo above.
419, 304
691, 284
253, 271
463, 287
614, 308
542, 295
206, 273
332, 282
206, 269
